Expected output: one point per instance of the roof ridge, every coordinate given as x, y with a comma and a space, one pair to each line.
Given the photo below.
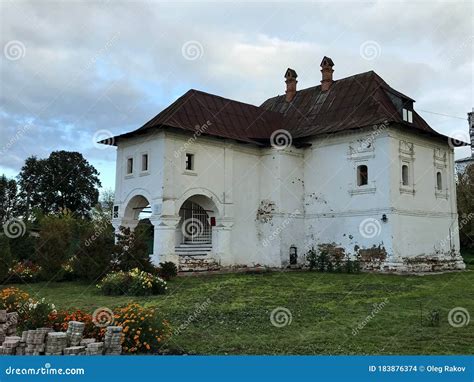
221, 97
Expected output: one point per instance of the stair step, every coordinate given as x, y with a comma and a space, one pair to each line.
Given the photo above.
194, 246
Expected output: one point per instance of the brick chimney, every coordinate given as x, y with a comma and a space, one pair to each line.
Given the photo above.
326, 70
290, 80
470, 118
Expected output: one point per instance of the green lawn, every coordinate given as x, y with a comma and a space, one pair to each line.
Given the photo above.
325, 309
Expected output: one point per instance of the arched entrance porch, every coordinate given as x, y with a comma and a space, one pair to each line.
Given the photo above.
195, 233
137, 213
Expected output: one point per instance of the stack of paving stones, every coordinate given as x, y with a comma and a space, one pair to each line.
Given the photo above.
10, 325
75, 330
95, 348
10, 345
75, 350
3, 320
55, 343
87, 341
45, 341
8, 322
113, 340
35, 340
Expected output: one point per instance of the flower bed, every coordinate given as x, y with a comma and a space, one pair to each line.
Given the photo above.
134, 282
143, 328
23, 271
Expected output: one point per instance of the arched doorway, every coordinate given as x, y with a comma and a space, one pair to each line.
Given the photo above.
194, 233
195, 224
137, 216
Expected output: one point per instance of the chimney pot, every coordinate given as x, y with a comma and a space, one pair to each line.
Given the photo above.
326, 70
470, 118
290, 80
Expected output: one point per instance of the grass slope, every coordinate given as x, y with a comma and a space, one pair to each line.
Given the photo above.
325, 309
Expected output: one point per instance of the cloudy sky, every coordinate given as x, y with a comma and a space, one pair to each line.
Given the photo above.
71, 72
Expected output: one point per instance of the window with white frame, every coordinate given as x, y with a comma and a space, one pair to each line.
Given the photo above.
407, 115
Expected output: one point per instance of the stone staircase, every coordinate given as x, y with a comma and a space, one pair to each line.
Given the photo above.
196, 258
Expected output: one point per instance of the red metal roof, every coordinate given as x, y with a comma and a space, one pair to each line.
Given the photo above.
351, 103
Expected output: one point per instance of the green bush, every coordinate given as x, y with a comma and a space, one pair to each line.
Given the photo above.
168, 270
312, 258
328, 259
55, 246
115, 283
93, 258
132, 249
23, 247
5, 257
134, 282
24, 272
35, 314
351, 266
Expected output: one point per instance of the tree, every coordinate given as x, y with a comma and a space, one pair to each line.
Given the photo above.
103, 209
56, 245
5, 257
132, 250
8, 199
465, 198
93, 258
63, 181
31, 191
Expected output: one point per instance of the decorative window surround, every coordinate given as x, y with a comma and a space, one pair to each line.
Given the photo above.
440, 164
406, 149
360, 190
406, 154
363, 148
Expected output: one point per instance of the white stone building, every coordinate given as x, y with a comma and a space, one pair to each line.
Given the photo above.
348, 164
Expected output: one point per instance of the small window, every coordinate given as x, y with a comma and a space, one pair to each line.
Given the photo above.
407, 115
362, 175
145, 162
439, 181
405, 180
190, 162
129, 165
115, 214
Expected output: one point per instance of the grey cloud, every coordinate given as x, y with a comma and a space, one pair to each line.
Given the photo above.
114, 65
